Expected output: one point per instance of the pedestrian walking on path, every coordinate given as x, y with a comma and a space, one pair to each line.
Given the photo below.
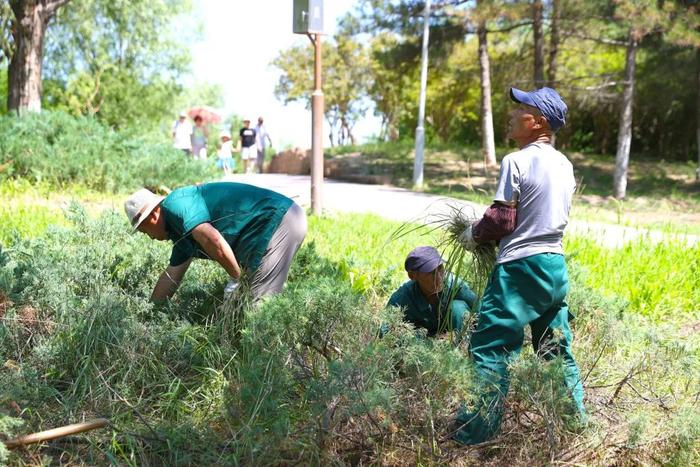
261, 135
224, 156
246, 145
182, 134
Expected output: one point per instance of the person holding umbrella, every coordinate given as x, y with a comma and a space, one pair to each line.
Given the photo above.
200, 133
203, 116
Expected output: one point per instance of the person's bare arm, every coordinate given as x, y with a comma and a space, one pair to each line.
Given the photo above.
217, 248
169, 281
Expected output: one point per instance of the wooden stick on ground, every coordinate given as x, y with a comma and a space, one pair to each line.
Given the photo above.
56, 433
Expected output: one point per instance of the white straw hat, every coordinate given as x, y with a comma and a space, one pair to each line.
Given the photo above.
139, 205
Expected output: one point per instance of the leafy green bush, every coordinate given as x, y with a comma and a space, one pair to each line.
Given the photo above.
62, 150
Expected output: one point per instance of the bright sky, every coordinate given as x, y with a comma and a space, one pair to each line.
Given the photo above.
239, 42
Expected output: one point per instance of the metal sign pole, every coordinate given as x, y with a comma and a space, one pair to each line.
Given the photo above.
308, 19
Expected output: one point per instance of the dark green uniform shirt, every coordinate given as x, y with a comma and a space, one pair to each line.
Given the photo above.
421, 314
245, 215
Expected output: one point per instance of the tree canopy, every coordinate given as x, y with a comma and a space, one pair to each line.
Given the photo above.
582, 55
116, 59
346, 74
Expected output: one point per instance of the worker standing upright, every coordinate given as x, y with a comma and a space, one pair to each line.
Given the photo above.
529, 283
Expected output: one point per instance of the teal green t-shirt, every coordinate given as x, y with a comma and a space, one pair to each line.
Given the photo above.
245, 215
420, 313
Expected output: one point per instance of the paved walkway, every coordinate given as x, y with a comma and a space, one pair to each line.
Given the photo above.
405, 205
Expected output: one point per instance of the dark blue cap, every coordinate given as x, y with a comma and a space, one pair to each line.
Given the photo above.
423, 259
547, 101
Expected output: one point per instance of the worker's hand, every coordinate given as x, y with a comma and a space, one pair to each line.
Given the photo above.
466, 239
230, 289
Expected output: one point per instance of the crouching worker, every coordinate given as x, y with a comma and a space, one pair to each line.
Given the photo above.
246, 229
431, 299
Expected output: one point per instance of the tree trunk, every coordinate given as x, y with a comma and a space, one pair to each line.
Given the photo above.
554, 45
697, 108
554, 53
488, 144
24, 72
539, 42
351, 136
624, 137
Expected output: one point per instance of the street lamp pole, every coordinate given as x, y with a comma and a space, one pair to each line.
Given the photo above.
317, 131
420, 130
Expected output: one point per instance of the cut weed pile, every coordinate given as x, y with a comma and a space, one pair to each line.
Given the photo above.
307, 380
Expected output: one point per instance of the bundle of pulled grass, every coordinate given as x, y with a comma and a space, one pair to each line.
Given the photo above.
474, 264
480, 259
229, 315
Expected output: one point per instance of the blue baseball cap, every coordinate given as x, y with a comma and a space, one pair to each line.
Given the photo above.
547, 101
423, 259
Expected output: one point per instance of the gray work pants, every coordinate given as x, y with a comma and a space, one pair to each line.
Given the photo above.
272, 273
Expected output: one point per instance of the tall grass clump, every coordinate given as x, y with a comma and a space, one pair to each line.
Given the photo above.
317, 385
83, 340
62, 150
446, 229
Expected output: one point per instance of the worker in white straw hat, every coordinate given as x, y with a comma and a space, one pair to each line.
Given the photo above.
246, 229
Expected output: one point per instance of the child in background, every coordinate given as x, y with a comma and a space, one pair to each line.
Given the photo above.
225, 154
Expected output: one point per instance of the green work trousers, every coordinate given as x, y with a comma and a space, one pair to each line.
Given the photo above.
459, 310
528, 291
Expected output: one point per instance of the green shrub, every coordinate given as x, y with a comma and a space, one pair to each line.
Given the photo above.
307, 379
62, 150
307, 366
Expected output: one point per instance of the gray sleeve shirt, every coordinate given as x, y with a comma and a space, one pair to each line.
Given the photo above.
541, 181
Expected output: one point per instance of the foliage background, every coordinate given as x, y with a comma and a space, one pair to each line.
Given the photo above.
60, 150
